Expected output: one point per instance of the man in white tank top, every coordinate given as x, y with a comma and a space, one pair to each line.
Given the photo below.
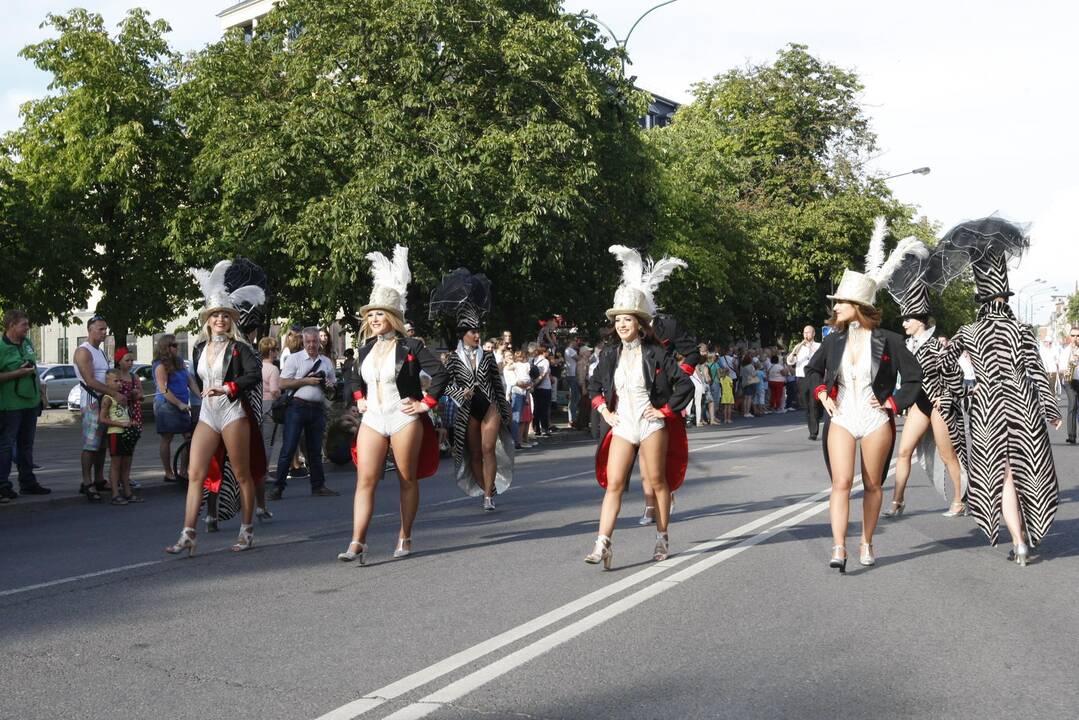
91, 364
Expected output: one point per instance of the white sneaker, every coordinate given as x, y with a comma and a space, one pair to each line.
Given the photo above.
747, 415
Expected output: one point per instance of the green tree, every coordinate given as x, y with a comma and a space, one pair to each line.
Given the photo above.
776, 154
1073, 308
101, 163
492, 134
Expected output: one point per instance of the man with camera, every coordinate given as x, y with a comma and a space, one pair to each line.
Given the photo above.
20, 405
305, 376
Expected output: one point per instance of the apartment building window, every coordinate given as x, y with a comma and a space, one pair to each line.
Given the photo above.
62, 354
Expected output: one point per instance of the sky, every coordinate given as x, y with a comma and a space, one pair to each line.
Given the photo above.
982, 93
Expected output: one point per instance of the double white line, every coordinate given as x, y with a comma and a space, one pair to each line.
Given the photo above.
733, 543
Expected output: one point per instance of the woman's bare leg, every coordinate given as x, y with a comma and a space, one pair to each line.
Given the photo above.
653, 458
1013, 516
164, 451
406, 444
237, 437
947, 454
204, 444
913, 430
492, 424
619, 464
841, 457
875, 448
371, 461
474, 452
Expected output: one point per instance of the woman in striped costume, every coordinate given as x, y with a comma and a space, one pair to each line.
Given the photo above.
1010, 461
935, 408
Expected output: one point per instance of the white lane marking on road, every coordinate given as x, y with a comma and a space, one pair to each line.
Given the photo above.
285, 539
86, 576
422, 677
458, 689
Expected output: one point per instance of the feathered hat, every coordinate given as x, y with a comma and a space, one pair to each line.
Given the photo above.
243, 272
861, 288
987, 246
464, 295
640, 279
217, 295
391, 279
908, 285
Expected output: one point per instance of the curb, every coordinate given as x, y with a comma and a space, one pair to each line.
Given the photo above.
59, 498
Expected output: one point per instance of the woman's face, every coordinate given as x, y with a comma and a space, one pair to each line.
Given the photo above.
471, 338
376, 320
627, 327
174, 347
844, 311
323, 337
507, 358
221, 323
913, 326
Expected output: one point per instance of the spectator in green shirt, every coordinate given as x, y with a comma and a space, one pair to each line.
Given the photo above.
20, 405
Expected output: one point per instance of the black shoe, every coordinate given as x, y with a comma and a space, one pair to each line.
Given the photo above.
8, 493
101, 486
300, 472
813, 438
274, 494
1070, 441
35, 489
323, 491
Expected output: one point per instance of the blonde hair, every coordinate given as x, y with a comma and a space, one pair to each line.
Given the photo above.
392, 318
233, 333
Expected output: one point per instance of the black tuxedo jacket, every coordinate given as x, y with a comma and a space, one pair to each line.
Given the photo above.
243, 372
412, 356
666, 383
891, 361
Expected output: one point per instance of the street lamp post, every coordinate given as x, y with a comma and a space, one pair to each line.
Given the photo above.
1019, 295
1030, 301
915, 171
621, 44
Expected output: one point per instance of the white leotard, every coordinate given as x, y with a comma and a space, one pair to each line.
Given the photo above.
221, 411
632, 397
853, 409
384, 414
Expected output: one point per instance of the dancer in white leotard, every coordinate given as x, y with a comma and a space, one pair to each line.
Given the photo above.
637, 387
855, 373
393, 404
229, 373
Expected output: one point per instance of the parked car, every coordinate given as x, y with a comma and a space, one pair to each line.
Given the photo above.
146, 378
56, 383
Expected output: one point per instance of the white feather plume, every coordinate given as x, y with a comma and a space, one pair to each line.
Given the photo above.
654, 275
212, 282
392, 274
401, 274
252, 294
632, 265
907, 246
874, 257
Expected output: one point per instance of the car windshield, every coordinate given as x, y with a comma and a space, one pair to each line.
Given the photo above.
41, 370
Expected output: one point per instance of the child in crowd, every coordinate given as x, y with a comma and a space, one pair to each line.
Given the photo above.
122, 434
726, 382
762, 387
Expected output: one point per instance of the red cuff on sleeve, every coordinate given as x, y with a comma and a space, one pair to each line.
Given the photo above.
688, 369
890, 402
233, 390
358, 395
597, 401
429, 401
817, 391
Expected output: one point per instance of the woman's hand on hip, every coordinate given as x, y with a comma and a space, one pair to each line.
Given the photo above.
361, 405
653, 413
610, 418
413, 407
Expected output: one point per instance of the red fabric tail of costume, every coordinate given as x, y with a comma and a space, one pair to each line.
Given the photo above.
213, 473
429, 453
677, 452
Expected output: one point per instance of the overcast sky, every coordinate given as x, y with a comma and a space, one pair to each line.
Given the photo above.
983, 93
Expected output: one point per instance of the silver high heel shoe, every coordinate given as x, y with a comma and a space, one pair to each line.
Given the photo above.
488, 504
895, 510
602, 552
187, 542
955, 510
647, 518
263, 514
839, 558
246, 540
349, 555
662, 549
1022, 554
402, 551
865, 554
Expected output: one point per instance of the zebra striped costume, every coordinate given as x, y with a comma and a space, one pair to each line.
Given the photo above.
485, 380
1008, 413
935, 388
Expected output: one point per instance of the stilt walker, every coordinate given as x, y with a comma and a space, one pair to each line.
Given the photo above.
481, 441
1010, 464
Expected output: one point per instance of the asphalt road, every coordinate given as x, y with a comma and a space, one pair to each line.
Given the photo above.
497, 616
